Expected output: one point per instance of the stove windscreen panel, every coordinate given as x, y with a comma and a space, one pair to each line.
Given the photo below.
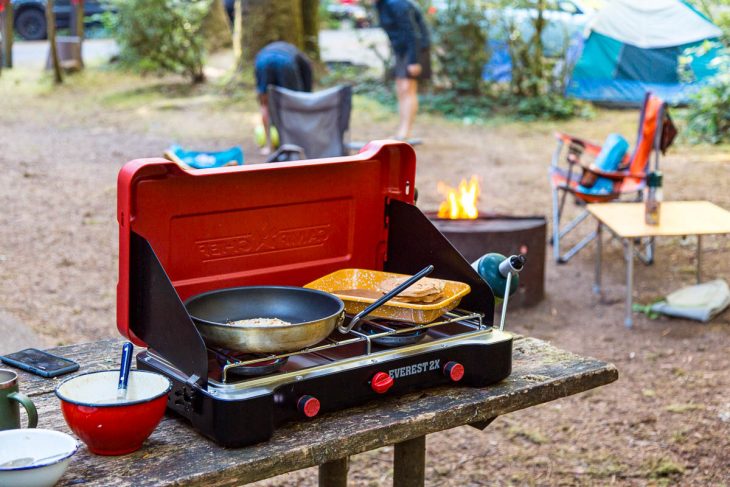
157, 315
414, 242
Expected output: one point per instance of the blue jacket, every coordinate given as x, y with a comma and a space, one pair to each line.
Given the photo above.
403, 21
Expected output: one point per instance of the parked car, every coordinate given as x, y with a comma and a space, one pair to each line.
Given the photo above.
30, 16
350, 10
565, 18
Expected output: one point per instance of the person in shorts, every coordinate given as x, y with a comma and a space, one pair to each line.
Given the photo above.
404, 24
279, 64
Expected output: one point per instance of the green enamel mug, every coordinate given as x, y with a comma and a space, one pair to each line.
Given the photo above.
10, 402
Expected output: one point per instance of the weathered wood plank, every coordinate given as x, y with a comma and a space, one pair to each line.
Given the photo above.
334, 473
102, 355
409, 463
175, 454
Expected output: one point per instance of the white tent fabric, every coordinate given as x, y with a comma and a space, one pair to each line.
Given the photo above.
653, 23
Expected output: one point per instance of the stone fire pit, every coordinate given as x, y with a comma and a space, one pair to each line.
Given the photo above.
506, 235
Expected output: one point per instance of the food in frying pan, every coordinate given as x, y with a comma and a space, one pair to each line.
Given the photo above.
426, 290
259, 321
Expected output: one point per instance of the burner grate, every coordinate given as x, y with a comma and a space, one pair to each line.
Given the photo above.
393, 340
256, 364
389, 337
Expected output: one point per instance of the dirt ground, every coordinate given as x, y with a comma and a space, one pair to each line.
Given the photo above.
666, 420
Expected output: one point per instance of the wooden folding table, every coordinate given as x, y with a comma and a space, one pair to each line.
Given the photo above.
677, 218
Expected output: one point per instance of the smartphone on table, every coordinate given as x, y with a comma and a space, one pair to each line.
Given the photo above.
40, 363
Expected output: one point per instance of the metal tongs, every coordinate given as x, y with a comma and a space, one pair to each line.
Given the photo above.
386, 297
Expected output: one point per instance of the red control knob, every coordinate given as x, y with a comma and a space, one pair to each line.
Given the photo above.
454, 371
308, 406
381, 382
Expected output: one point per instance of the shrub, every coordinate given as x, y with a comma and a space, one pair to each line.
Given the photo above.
160, 35
708, 114
460, 45
550, 106
459, 41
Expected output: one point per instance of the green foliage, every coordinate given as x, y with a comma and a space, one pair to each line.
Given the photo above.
708, 115
480, 108
460, 46
550, 106
459, 43
160, 35
534, 72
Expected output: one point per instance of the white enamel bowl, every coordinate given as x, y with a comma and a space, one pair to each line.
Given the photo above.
37, 444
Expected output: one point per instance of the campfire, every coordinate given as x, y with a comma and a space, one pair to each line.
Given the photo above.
460, 203
473, 234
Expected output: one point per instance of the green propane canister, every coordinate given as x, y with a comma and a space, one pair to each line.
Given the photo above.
494, 268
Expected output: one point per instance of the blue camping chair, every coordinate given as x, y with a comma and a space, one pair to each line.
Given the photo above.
205, 160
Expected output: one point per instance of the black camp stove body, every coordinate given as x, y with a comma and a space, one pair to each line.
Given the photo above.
245, 416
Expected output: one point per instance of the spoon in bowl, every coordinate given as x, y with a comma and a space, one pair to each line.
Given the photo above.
124, 371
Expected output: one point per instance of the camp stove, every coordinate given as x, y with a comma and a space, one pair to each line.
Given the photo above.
184, 233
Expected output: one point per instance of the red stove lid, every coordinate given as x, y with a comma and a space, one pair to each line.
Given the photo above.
281, 223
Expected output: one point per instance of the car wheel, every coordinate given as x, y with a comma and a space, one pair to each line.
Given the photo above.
30, 24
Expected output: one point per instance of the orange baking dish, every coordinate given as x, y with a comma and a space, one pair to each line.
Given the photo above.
358, 288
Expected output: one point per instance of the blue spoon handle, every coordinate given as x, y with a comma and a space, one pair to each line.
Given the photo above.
125, 367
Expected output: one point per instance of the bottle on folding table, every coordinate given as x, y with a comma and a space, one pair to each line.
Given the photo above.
653, 198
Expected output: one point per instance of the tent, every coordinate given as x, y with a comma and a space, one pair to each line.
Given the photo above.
636, 46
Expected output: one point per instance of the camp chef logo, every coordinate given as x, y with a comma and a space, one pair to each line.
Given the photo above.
263, 241
414, 369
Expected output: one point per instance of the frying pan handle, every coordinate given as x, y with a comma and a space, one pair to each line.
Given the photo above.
387, 297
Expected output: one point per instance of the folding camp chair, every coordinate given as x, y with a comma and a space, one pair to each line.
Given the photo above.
656, 133
310, 125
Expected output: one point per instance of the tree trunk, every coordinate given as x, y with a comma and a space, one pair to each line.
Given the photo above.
51, 26
79, 28
537, 61
238, 34
310, 28
217, 27
265, 21
7, 33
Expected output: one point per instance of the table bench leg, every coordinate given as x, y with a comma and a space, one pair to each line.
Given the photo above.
334, 473
410, 463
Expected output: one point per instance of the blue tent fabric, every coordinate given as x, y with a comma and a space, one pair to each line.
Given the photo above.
630, 51
635, 72
627, 92
599, 58
649, 65
499, 66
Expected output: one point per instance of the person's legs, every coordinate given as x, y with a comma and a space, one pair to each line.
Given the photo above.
407, 92
265, 120
265, 76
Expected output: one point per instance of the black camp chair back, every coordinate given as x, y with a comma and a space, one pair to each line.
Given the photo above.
316, 122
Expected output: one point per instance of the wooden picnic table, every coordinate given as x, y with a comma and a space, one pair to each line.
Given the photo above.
175, 454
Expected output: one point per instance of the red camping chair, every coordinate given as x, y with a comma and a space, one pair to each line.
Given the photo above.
656, 133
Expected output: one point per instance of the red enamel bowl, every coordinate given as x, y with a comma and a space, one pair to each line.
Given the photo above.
107, 425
